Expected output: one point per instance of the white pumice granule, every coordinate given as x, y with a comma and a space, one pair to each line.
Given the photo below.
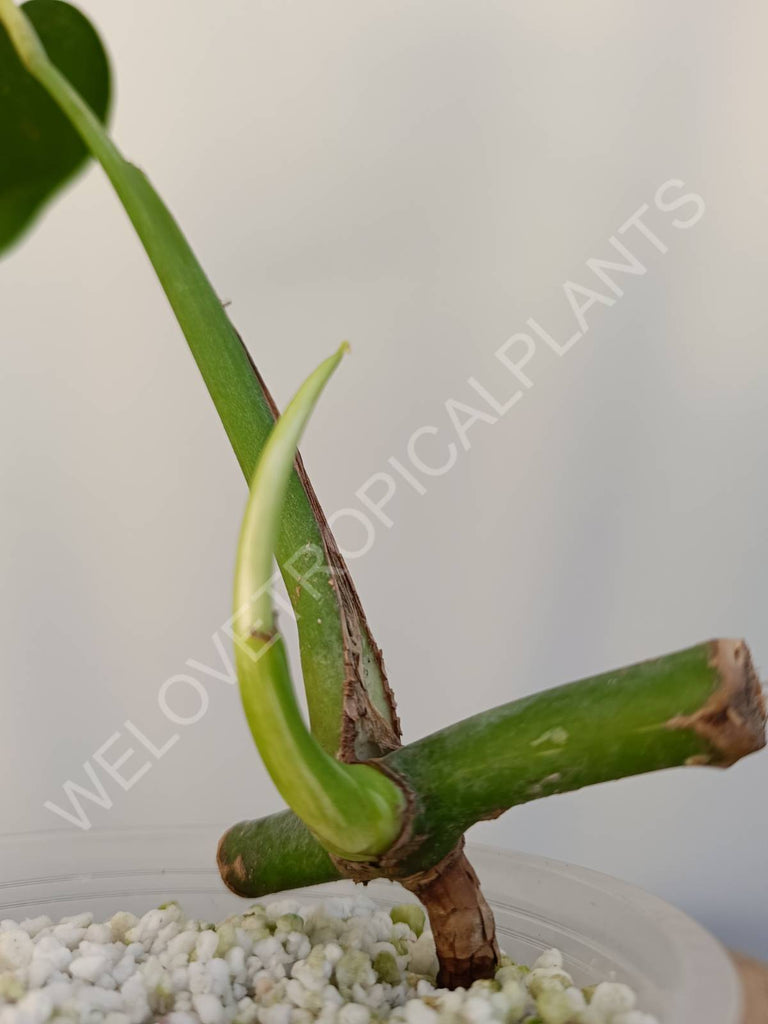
343, 961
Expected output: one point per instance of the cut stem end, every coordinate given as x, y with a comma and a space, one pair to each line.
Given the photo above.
733, 720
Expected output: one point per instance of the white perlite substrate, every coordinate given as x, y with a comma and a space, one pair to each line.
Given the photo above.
342, 961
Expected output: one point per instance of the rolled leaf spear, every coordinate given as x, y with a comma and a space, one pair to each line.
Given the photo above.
362, 805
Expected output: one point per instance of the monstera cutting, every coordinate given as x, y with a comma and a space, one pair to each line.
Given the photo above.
361, 804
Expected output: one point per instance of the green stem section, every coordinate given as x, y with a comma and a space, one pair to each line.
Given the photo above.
273, 854
353, 809
680, 709
241, 402
699, 706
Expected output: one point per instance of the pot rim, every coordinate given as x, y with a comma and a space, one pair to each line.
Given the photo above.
545, 898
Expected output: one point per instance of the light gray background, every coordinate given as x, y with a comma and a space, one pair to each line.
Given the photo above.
419, 178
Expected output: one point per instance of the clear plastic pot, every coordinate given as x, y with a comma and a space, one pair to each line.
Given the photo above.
605, 928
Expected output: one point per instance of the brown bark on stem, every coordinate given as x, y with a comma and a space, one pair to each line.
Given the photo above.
733, 720
462, 922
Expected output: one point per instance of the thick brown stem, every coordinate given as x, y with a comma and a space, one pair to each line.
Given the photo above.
462, 922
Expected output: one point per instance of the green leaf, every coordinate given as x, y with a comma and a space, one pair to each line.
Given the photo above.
39, 149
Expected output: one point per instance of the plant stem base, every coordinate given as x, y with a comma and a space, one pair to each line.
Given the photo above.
462, 922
